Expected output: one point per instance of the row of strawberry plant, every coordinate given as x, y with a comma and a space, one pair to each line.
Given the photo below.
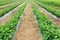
50, 9
55, 3
9, 8
48, 29
7, 30
51, 5
3, 2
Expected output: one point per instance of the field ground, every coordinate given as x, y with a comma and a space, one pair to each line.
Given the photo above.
6, 17
30, 26
54, 19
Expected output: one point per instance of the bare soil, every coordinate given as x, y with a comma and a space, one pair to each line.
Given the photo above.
28, 28
54, 20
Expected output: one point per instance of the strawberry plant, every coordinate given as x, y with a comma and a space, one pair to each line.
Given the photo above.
4, 2
7, 30
9, 8
50, 8
48, 30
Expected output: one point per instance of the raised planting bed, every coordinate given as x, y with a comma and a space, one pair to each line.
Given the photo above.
50, 9
52, 2
48, 30
4, 2
7, 30
9, 8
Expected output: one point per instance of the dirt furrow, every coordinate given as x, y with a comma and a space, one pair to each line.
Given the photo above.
7, 16
52, 17
28, 28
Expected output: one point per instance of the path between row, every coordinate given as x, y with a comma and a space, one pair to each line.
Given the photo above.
28, 28
53, 18
7, 16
